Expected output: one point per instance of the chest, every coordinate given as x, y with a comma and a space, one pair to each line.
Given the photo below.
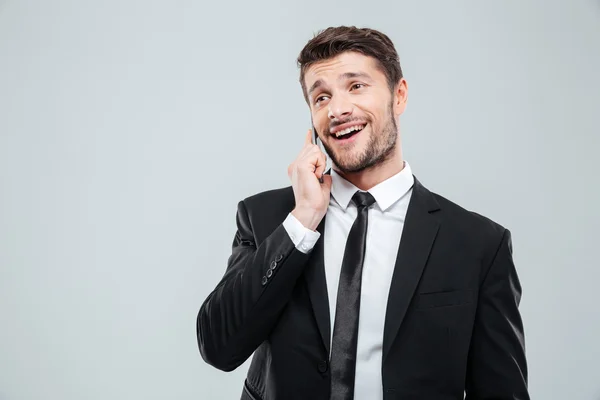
384, 233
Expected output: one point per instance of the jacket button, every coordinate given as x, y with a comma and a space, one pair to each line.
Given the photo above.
279, 257
322, 366
273, 264
264, 280
269, 273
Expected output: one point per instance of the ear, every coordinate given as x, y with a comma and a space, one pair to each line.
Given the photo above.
400, 96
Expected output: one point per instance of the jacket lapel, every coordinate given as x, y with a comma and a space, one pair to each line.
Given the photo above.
419, 232
317, 287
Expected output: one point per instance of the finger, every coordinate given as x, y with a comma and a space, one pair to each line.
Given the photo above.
308, 137
311, 159
321, 164
309, 150
308, 155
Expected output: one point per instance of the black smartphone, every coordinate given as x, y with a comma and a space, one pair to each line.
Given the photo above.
315, 138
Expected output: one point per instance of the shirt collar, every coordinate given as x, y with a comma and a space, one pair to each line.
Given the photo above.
385, 193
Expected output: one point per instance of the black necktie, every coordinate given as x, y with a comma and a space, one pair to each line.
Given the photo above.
345, 330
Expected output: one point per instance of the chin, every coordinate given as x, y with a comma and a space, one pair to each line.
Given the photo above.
350, 167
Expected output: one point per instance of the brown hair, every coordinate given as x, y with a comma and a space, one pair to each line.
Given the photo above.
333, 41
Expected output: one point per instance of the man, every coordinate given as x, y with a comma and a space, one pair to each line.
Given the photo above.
358, 282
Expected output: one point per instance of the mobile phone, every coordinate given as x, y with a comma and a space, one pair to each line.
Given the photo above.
315, 138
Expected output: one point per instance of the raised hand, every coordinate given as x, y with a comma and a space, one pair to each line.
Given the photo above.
312, 196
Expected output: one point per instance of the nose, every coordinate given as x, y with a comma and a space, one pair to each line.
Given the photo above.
339, 108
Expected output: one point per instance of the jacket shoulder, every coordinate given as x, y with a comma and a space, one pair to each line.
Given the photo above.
265, 211
269, 199
469, 220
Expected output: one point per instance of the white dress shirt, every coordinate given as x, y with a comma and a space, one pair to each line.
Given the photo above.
386, 222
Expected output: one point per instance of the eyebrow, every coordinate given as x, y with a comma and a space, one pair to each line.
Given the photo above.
347, 75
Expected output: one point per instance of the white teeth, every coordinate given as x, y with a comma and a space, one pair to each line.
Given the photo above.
348, 130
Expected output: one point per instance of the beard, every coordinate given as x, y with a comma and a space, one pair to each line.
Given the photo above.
380, 148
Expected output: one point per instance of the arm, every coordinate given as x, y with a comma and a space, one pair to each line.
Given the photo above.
497, 367
242, 310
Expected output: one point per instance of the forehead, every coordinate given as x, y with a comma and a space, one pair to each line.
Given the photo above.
329, 70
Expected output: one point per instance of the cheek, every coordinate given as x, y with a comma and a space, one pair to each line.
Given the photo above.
370, 108
321, 121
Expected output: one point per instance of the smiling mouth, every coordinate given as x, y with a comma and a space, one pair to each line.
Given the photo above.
347, 134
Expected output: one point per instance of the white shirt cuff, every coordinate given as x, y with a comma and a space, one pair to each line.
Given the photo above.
304, 239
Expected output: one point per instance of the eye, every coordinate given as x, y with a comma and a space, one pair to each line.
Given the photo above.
357, 86
320, 99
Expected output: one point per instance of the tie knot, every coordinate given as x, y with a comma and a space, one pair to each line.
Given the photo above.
363, 199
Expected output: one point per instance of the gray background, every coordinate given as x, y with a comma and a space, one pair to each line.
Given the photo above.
129, 130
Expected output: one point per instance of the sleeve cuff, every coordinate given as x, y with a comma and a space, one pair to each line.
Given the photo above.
304, 239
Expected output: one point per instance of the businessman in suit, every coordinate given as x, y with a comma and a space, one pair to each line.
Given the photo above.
358, 282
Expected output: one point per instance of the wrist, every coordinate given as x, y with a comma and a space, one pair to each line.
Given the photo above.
309, 218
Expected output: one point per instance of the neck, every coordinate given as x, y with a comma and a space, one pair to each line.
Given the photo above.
370, 177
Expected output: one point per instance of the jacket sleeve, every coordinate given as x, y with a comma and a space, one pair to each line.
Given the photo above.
238, 315
497, 367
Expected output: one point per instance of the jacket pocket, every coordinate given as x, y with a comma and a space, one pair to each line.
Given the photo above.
250, 392
444, 299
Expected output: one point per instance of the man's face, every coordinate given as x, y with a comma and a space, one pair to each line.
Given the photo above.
349, 92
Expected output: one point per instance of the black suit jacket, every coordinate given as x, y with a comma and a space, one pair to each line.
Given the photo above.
452, 322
